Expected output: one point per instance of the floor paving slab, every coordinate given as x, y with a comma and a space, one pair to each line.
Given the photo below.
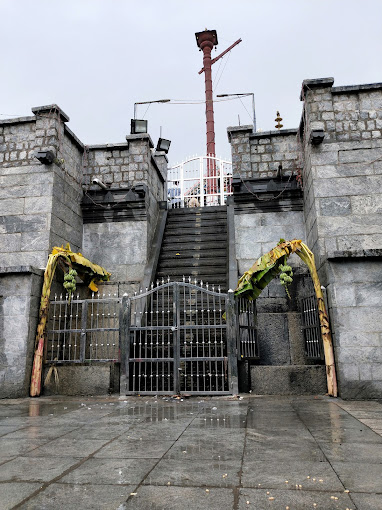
13, 493
129, 448
253, 499
26, 469
68, 448
290, 474
110, 471
197, 453
74, 497
360, 477
196, 473
175, 498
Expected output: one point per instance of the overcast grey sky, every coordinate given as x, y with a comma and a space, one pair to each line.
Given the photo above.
96, 58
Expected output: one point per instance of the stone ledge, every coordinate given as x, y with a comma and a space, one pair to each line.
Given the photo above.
274, 132
17, 120
109, 146
348, 89
21, 269
354, 254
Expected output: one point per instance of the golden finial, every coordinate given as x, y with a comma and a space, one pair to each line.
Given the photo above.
278, 119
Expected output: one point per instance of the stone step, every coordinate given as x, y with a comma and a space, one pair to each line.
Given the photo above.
193, 261
199, 250
196, 230
288, 380
210, 239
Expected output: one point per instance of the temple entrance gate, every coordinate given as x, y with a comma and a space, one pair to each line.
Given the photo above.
177, 340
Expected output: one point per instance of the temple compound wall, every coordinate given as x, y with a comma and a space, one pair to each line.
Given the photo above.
334, 206
48, 198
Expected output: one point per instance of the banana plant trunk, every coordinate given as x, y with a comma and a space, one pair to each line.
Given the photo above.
307, 256
35, 388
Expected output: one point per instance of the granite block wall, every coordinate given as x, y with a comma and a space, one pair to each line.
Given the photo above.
342, 181
341, 222
259, 155
20, 293
343, 174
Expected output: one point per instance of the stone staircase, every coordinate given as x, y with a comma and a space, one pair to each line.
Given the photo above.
195, 244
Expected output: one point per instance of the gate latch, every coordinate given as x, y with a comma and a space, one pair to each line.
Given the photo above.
174, 328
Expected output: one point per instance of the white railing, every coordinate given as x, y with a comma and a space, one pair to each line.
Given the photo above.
199, 181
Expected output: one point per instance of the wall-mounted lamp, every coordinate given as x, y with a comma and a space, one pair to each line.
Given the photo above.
316, 136
45, 157
138, 126
163, 145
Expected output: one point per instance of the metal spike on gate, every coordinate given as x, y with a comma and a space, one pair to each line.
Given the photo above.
184, 279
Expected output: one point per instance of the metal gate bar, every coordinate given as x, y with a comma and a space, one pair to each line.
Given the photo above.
178, 342
248, 346
310, 324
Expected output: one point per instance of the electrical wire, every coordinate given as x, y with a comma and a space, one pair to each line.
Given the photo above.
251, 117
229, 54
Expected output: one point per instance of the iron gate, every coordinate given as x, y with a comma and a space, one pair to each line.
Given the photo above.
179, 338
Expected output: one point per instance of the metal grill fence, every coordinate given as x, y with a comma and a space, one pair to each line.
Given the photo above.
83, 329
248, 345
310, 324
199, 181
172, 338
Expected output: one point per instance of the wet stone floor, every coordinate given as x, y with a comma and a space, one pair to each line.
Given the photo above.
141, 453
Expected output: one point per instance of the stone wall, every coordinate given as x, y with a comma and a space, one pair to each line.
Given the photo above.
257, 155
39, 204
40, 207
20, 292
257, 233
342, 180
343, 174
123, 246
337, 152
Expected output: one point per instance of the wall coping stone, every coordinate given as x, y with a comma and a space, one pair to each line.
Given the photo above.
49, 108
17, 120
159, 171
159, 154
274, 132
354, 254
109, 146
75, 138
21, 269
348, 89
